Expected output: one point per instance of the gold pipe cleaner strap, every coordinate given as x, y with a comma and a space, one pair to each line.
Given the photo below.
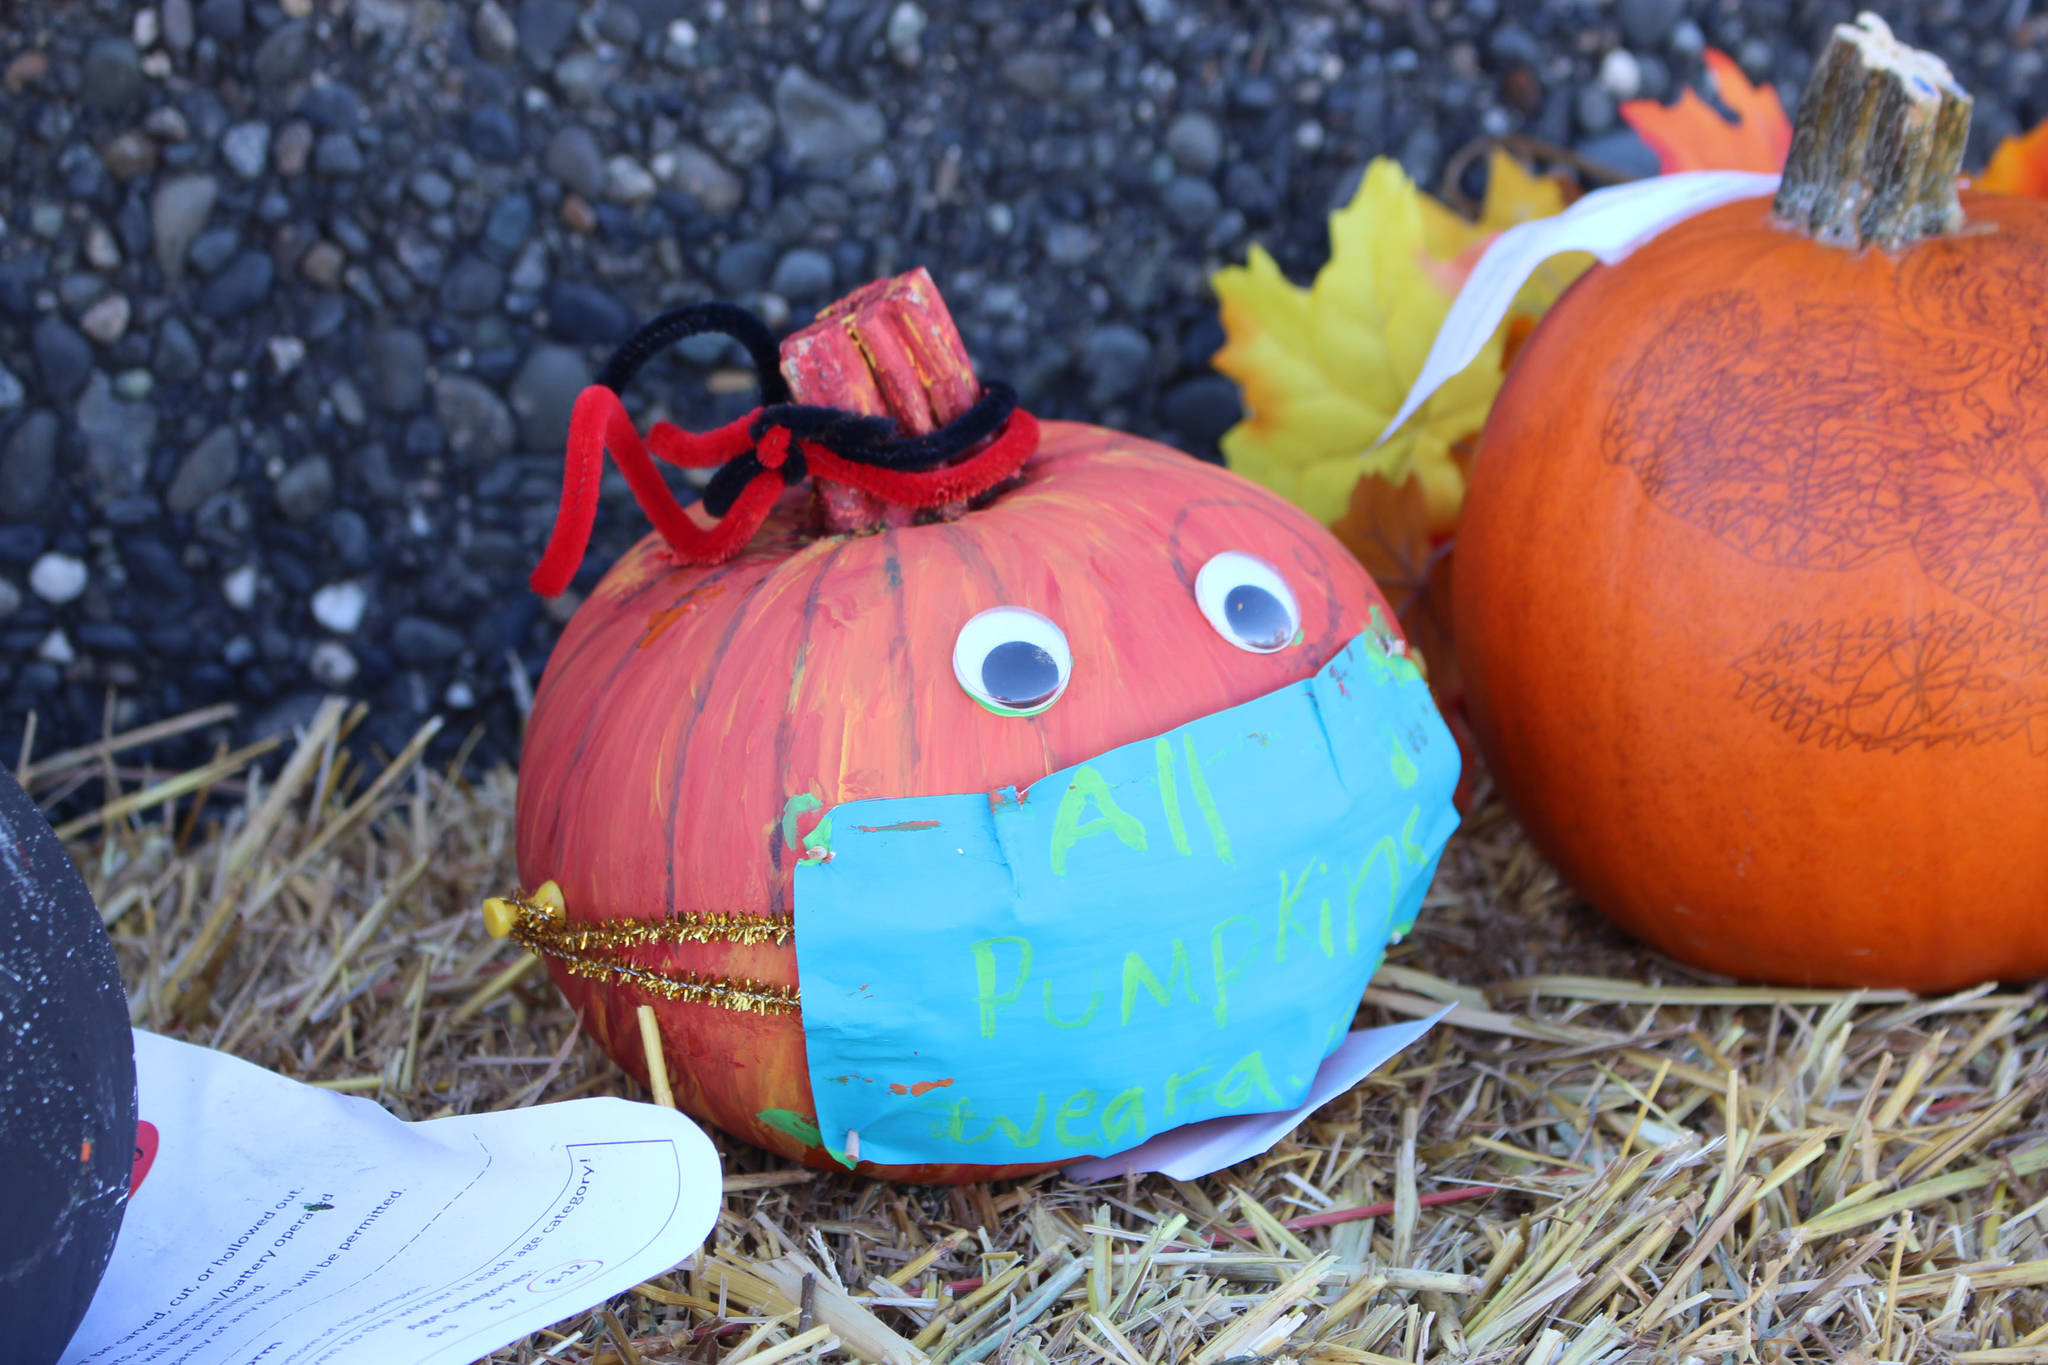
594, 949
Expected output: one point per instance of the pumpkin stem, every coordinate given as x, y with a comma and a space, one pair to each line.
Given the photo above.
1878, 144
887, 349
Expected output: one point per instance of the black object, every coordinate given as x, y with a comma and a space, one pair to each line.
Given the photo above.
67, 1088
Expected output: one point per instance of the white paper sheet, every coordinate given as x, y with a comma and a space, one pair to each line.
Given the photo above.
1610, 223
285, 1224
1200, 1148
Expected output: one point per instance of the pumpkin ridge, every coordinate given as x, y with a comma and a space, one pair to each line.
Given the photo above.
709, 673
596, 709
899, 646
806, 618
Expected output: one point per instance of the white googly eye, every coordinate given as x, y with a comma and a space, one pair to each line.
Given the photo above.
1012, 660
1248, 602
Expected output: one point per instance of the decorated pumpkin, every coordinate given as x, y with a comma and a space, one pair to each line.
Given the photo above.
1752, 588
1012, 792
67, 1088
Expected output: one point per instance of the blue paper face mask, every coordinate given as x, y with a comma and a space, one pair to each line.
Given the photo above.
1175, 930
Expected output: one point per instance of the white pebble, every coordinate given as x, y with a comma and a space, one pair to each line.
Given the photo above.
239, 588
57, 578
331, 664
1621, 75
460, 696
56, 649
340, 606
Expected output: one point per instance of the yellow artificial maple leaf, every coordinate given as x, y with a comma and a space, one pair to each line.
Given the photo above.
1691, 135
1514, 195
2019, 166
1323, 368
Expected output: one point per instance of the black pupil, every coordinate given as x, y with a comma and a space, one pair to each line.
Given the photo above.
1257, 617
1019, 674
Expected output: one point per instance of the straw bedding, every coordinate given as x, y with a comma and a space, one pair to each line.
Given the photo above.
1600, 1156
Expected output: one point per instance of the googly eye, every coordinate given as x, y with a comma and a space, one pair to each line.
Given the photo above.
1248, 602
1012, 660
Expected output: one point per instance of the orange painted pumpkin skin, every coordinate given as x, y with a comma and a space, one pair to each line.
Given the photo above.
1752, 598
684, 707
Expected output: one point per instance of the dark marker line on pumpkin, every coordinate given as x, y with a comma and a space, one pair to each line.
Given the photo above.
780, 897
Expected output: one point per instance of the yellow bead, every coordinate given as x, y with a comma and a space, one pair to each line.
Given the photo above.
499, 915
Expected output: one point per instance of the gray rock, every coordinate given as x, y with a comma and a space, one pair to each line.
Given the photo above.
626, 181
471, 287
1647, 23
322, 265
418, 640
179, 28
802, 275
431, 188
28, 465
292, 147
1195, 143
213, 249
1040, 75
243, 285
246, 148
742, 267
1621, 75
1117, 360
331, 105
494, 133
495, 35
700, 175
63, 357
331, 664
340, 607
395, 364
739, 128
1069, 244
177, 358
544, 25
1203, 408
1620, 149
119, 439
285, 55
223, 19
574, 158
544, 393
57, 578
337, 154
111, 76
478, 425
1594, 109
1192, 203
821, 127
586, 314
583, 76
11, 391
509, 223
206, 469
107, 320
10, 599
177, 214
306, 489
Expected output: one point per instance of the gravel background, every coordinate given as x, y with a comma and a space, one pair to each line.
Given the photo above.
296, 295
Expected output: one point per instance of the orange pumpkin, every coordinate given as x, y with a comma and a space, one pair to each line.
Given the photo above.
696, 721
1752, 594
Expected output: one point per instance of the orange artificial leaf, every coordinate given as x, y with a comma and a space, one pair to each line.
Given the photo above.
1692, 135
1402, 534
2019, 166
